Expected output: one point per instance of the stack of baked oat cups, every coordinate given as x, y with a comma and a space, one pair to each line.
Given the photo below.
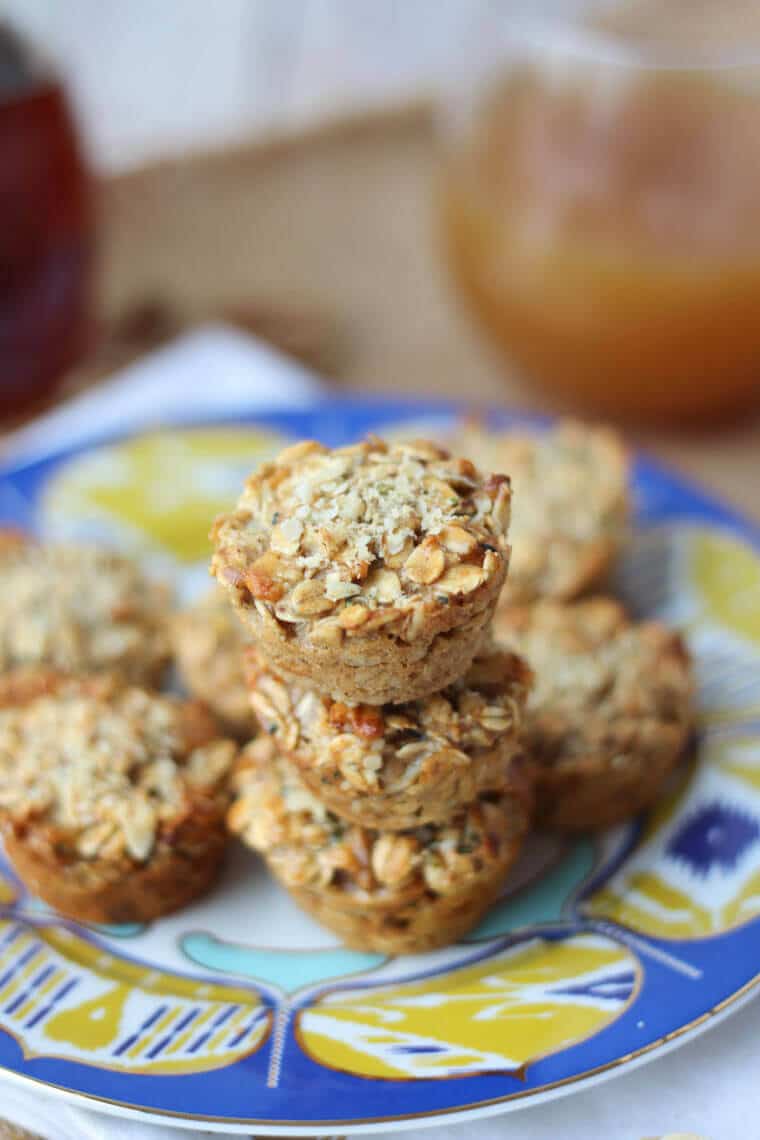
387, 791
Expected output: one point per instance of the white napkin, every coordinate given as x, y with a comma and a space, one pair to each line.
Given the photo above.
211, 372
707, 1088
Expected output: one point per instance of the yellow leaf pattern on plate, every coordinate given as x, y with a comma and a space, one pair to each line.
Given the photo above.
7, 890
500, 1014
63, 996
162, 490
653, 905
93, 1024
726, 574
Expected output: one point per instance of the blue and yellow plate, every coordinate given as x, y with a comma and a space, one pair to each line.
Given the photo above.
241, 1012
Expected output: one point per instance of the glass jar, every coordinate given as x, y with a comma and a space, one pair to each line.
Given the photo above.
600, 201
45, 231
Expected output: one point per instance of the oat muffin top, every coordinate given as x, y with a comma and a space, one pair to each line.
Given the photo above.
102, 769
602, 681
79, 610
363, 535
309, 846
209, 641
570, 504
393, 747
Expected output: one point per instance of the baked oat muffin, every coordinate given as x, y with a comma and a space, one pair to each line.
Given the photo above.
80, 610
387, 891
610, 712
112, 799
398, 766
209, 642
570, 504
370, 572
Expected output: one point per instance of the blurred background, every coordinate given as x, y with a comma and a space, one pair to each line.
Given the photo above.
150, 80
549, 203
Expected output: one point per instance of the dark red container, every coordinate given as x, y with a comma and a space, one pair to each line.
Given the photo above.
45, 232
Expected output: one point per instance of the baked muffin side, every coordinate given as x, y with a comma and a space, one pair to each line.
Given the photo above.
371, 572
209, 642
112, 798
611, 710
390, 892
571, 506
398, 766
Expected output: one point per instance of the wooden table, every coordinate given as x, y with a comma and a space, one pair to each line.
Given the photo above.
339, 224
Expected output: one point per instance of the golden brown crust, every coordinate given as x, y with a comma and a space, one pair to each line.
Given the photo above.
183, 866
375, 669
209, 642
570, 512
398, 766
414, 927
394, 892
80, 610
610, 713
112, 799
370, 571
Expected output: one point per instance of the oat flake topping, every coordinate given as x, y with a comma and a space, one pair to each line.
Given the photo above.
360, 529
391, 748
570, 507
108, 771
310, 846
79, 609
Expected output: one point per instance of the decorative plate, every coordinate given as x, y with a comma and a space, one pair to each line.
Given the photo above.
242, 1013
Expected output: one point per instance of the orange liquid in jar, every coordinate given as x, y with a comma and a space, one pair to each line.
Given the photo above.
609, 238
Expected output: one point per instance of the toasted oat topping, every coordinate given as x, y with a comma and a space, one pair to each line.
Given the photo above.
570, 503
602, 681
209, 641
107, 767
351, 539
309, 846
79, 609
389, 748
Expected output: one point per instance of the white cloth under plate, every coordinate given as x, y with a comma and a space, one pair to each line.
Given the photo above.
708, 1087
212, 372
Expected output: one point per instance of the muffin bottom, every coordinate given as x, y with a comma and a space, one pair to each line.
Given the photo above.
424, 922
377, 669
591, 792
611, 712
119, 891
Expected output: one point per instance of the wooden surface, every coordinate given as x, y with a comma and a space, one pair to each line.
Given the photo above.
339, 227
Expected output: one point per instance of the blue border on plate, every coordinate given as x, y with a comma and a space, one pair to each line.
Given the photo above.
310, 1094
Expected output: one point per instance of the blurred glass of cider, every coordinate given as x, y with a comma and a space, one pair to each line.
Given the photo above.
601, 205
